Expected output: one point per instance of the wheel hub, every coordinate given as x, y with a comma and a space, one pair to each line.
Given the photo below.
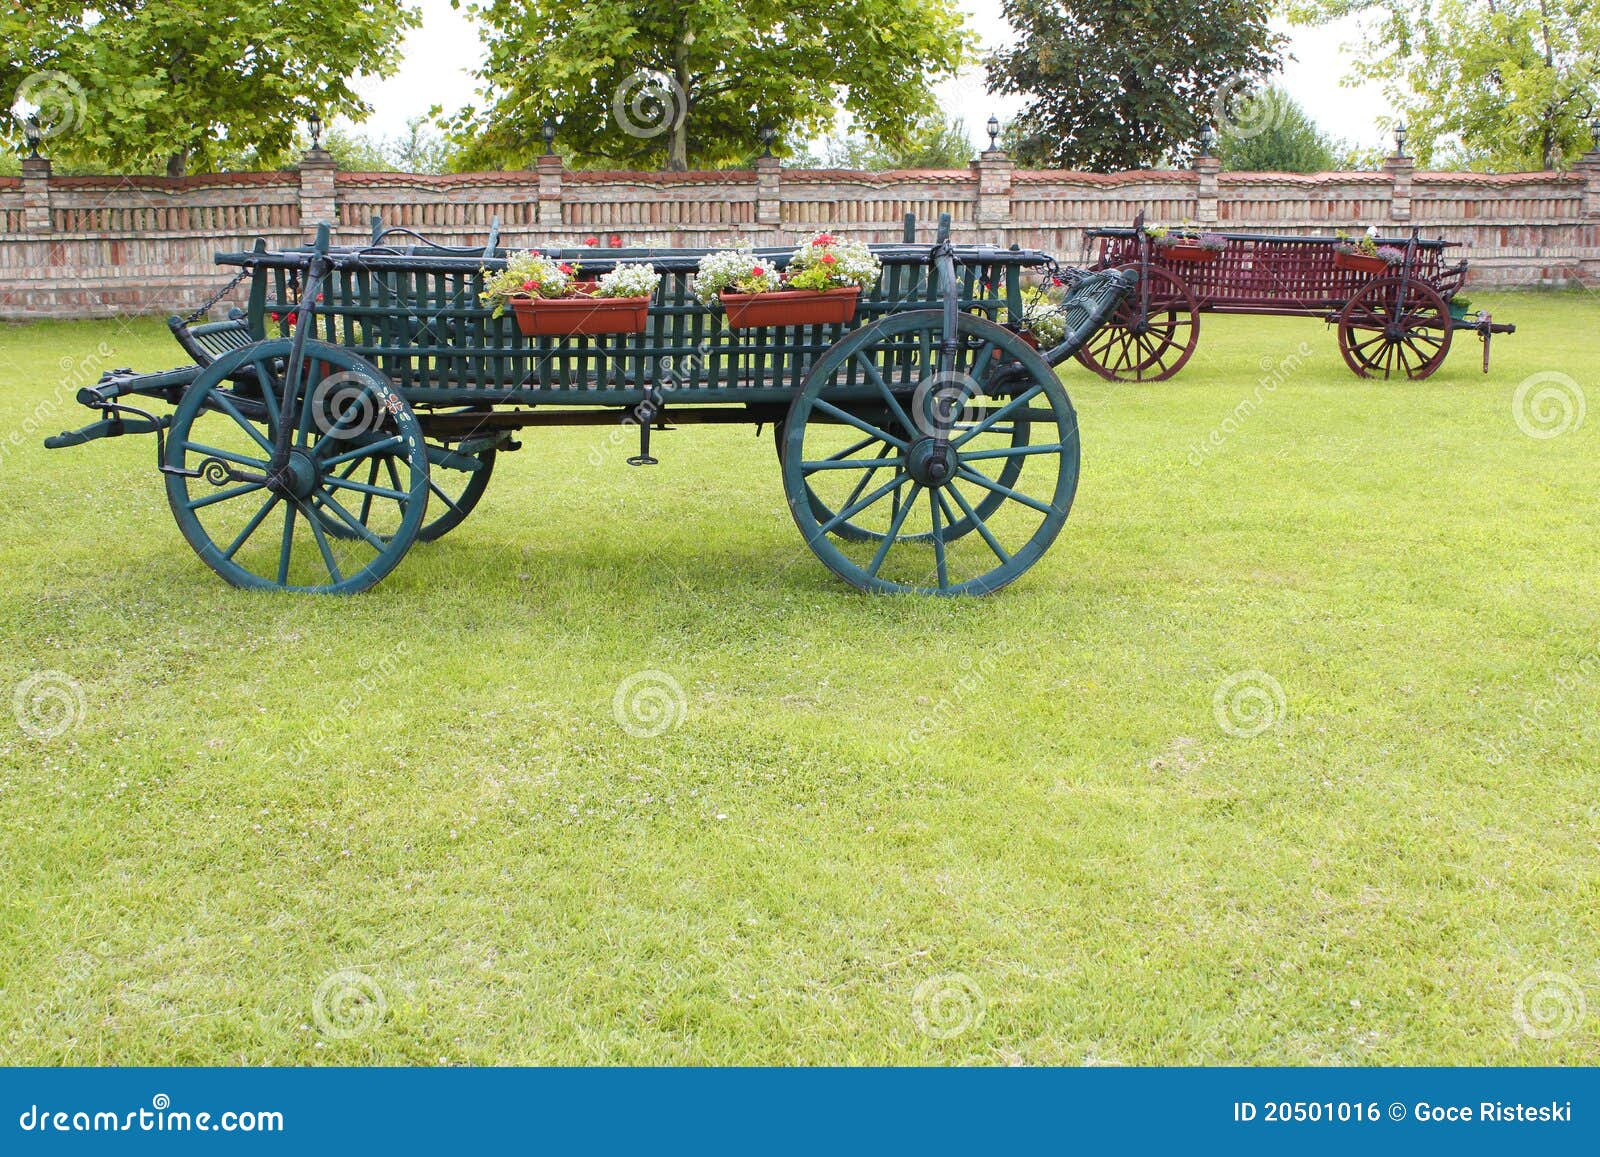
298, 478
931, 463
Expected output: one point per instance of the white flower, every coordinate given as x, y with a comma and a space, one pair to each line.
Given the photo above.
736, 269
629, 281
830, 262
1372, 231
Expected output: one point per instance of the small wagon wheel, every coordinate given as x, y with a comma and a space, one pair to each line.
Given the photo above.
265, 528
948, 423
453, 489
1395, 325
1152, 334
868, 447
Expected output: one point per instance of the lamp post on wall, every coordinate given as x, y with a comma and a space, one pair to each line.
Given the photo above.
768, 135
548, 132
32, 134
994, 133
1400, 135
1208, 140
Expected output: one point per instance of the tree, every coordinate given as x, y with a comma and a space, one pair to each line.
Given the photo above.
674, 82
1114, 85
134, 85
1267, 131
935, 142
1489, 84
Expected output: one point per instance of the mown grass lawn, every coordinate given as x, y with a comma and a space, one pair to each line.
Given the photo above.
419, 803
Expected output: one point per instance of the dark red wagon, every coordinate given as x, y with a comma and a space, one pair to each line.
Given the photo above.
1395, 319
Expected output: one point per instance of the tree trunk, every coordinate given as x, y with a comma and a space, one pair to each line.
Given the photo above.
178, 163
678, 141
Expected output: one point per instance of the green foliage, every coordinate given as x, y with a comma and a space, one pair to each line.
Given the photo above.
641, 83
935, 142
1114, 85
1482, 84
204, 84
1268, 132
420, 149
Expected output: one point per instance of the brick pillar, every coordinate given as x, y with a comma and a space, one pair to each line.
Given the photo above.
1206, 169
318, 200
1589, 230
995, 170
769, 191
1399, 170
550, 170
36, 195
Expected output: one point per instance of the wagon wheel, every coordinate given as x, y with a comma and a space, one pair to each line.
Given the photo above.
1140, 344
263, 529
869, 447
453, 491
928, 525
1395, 325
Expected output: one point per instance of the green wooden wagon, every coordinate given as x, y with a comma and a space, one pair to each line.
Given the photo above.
361, 401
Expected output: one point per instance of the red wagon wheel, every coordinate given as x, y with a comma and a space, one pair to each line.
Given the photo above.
1395, 325
1150, 336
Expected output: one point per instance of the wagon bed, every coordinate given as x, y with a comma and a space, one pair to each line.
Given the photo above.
359, 402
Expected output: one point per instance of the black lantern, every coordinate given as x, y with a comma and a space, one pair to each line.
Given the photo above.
1594, 132
1400, 139
32, 134
314, 123
548, 131
768, 135
994, 133
1208, 140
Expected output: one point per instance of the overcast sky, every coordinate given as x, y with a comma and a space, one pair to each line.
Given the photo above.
439, 57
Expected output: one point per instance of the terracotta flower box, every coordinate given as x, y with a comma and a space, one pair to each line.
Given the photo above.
574, 316
791, 307
1182, 251
1359, 262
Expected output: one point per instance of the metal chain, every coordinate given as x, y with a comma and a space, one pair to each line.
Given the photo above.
200, 313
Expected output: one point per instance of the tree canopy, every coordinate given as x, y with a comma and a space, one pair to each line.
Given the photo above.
1113, 85
1268, 132
670, 83
137, 86
1485, 84
935, 142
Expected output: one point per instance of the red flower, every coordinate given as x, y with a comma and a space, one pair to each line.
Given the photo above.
275, 317
825, 239
564, 267
757, 271
828, 259
319, 297
591, 240
530, 286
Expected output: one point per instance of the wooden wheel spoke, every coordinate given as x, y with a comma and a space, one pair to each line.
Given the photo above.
322, 546
250, 527
1013, 451
850, 511
894, 531
366, 488
990, 484
225, 404
994, 416
328, 502
286, 547
861, 424
205, 451
224, 495
882, 386
359, 452
980, 525
935, 503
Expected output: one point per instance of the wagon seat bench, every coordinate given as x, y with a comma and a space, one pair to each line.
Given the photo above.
359, 402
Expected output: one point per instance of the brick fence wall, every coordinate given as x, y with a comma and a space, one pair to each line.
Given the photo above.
91, 246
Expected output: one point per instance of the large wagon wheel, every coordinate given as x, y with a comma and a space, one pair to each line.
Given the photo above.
267, 530
929, 526
454, 488
1393, 325
1150, 336
869, 447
